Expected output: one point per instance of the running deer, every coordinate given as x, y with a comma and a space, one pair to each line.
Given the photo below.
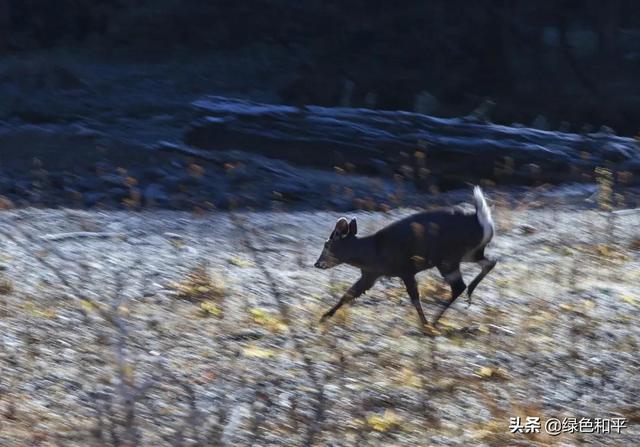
443, 239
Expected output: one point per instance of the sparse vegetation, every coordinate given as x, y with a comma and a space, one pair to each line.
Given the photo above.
240, 262
338, 288
6, 285
200, 285
380, 377
268, 320
604, 178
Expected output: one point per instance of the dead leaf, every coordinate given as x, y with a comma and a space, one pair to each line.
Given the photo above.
487, 372
238, 262
209, 307
384, 422
407, 377
258, 352
268, 320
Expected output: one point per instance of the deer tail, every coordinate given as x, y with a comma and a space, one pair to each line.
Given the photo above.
483, 212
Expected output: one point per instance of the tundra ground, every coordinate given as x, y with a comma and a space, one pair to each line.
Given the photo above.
168, 328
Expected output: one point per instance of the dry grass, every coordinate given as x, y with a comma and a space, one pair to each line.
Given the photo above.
200, 285
338, 288
529, 339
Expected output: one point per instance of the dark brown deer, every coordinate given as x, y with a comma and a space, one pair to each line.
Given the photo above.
443, 239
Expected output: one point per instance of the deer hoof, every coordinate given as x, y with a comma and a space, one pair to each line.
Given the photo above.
430, 330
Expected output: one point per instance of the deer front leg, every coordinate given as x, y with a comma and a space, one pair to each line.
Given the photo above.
365, 282
412, 290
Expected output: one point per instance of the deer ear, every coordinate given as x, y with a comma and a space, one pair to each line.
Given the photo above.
353, 227
342, 227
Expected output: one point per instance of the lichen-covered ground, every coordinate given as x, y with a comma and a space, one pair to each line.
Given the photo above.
167, 328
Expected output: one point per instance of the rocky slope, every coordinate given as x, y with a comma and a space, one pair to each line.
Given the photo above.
242, 154
427, 150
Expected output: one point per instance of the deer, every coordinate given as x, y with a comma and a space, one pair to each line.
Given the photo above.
442, 238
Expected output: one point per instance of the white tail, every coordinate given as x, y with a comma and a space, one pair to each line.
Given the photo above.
484, 215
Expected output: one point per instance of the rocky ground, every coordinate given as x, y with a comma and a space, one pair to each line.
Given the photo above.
174, 328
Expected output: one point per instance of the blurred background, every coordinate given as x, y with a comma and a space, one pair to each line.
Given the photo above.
568, 61
169, 171
92, 86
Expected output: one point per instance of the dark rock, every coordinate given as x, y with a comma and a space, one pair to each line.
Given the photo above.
20, 187
180, 182
617, 152
152, 174
226, 201
6, 184
481, 113
71, 195
118, 193
293, 190
92, 199
154, 194
112, 179
180, 201
240, 173
540, 122
57, 180
171, 183
606, 130
102, 167
426, 103
382, 168
85, 184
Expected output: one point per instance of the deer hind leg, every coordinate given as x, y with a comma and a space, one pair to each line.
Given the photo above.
358, 288
453, 277
487, 265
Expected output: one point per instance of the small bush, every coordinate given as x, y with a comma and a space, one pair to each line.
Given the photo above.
6, 286
200, 285
604, 178
5, 203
